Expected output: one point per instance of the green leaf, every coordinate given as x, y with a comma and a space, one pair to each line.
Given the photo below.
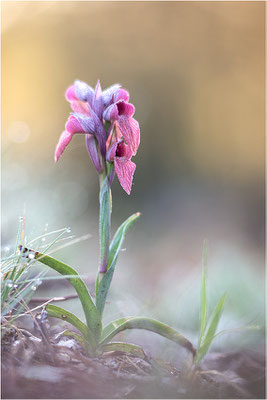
114, 249
118, 239
25, 294
58, 312
204, 347
80, 339
148, 324
240, 329
125, 347
104, 221
203, 312
93, 318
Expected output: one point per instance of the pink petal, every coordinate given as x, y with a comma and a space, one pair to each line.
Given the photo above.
80, 123
114, 135
111, 113
124, 169
70, 93
126, 109
121, 94
130, 130
123, 150
73, 126
63, 142
83, 91
97, 102
91, 145
99, 132
111, 153
87, 123
109, 93
80, 107
111, 138
118, 134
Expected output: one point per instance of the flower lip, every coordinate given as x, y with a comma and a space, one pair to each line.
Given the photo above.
112, 151
124, 108
121, 151
121, 154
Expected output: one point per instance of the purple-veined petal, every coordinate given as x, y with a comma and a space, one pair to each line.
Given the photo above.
115, 135
109, 93
118, 149
111, 176
110, 135
110, 129
87, 124
111, 113
97, 101
70, 93
117, 132
126, 109
130, 130
121, 94
83, 91
73, 126
63, 142
80, 107
124, 169
91, 145
111, 153
100, 133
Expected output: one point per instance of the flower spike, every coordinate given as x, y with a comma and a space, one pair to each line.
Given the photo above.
106, 119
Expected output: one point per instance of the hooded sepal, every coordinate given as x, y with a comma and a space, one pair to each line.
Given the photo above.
92, 149
63, 142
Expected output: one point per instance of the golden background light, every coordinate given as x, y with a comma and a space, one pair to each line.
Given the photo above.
195, 72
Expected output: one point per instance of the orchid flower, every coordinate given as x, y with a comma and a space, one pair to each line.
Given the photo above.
120, 114
121, 154
88, 106
106, 119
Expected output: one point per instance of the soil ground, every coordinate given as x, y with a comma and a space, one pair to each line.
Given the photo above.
36, 366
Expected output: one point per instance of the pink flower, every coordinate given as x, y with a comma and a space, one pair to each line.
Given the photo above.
91, 126
88, 107
121, 154
120, 114
116, 142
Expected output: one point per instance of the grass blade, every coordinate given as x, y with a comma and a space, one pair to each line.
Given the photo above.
204, 347
148, 324
58, 312
203, 298
125, 347
93, 318
103, 286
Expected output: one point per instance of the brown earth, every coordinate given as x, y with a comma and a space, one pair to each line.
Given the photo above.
47, 366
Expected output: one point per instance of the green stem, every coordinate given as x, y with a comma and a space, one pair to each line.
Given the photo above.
105, 201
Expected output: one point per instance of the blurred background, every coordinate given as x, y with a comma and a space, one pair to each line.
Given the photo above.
195, 72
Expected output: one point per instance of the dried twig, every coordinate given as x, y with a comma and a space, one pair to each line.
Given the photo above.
47, 302
45, 299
